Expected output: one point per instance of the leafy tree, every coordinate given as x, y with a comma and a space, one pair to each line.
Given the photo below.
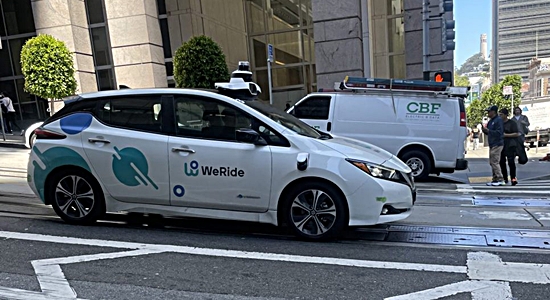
494, 96
471, 63
461, 80
48, 68
199, 63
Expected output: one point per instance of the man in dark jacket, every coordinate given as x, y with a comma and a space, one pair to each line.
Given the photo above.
523, 123
495, 132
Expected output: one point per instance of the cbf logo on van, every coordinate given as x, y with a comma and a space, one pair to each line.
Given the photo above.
423, 111
193, 169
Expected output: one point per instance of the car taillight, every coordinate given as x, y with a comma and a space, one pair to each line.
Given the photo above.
48, 134
462, 119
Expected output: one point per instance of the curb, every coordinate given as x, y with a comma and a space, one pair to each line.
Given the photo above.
12, 145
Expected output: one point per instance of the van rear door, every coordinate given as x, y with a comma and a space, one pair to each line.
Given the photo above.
315, 110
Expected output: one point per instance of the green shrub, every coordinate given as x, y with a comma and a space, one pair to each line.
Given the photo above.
48, 68
199, 63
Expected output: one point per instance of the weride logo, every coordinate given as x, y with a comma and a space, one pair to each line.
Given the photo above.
192, 169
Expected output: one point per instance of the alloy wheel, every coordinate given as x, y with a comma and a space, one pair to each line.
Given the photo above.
74, 196
313, 212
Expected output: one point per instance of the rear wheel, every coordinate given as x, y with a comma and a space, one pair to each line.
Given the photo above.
419, 162
315, 211
76, 197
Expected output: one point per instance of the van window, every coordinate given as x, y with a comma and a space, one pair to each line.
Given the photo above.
313, 108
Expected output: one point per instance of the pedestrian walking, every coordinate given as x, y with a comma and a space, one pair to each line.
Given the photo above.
523, 123
475, 137
495, 133
510, 150
9, 113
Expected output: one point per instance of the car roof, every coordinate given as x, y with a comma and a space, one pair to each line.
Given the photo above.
144, 91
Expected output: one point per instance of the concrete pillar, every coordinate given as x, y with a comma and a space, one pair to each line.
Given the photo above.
136, 43
66, 21
338, 40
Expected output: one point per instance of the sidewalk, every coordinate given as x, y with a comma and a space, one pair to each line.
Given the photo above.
483, 152
13, 141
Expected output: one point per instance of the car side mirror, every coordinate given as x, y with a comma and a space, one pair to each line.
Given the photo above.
250, 136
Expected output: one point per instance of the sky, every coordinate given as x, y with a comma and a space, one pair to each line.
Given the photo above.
472, 18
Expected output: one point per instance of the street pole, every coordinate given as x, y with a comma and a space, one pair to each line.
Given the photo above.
2, 123
269, 61
426, 39
512, 102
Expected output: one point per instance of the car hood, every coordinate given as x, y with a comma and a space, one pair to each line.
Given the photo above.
364, 151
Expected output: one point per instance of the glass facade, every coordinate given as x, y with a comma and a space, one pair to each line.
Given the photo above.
387, 38
101, 46
288, 26
166, 44
16, 27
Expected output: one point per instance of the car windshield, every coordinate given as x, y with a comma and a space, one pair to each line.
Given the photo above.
286, 120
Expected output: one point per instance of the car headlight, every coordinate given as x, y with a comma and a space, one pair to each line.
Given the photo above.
375, 170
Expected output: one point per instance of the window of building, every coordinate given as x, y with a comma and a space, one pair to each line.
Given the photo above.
166, 44
288, 26
387, 38
101, 45
313, 108
136, 112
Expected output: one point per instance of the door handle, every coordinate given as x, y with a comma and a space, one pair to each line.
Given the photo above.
96, 140
182, 149
329, 126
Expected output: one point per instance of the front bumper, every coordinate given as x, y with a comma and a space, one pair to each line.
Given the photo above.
380, 201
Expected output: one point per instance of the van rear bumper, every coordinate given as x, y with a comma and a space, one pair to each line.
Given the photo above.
461, 164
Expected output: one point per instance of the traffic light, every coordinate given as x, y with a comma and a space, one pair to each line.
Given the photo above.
443, 76
447, 26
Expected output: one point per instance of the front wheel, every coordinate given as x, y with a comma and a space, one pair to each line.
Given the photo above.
315, 211
419, 163
76, 197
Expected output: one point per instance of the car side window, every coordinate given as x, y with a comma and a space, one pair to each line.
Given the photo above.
199, 117
314, 108
132, 112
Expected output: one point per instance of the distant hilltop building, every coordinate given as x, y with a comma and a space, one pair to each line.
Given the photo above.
483, 46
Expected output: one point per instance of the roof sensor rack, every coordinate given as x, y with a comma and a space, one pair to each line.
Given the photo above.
240, 86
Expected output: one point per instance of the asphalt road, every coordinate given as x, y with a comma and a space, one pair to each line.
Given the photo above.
463, 241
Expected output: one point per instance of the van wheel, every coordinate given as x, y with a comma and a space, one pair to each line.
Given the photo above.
419, 163
315, 211
76, 197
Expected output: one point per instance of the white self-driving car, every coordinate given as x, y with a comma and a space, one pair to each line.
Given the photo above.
196, 153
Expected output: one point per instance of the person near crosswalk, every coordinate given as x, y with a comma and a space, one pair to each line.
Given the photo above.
511, 144
495, 133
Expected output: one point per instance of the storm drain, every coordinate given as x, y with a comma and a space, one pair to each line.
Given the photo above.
465, 236
437, 238
515, 241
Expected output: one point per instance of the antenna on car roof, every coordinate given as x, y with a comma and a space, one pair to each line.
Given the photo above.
240, 86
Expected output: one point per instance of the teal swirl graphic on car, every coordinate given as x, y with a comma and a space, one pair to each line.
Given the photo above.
131, 168
51, 159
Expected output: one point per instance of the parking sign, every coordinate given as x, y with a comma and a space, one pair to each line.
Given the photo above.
270, 53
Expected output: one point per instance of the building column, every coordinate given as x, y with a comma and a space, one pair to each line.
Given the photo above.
66, 21
136, 43
338, 40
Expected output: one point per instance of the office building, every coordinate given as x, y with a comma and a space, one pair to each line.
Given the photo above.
131, 42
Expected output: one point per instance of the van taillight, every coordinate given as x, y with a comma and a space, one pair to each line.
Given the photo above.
462, 119
48, 134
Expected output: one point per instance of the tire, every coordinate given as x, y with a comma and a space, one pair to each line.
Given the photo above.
324, 222
83, 210
419, 162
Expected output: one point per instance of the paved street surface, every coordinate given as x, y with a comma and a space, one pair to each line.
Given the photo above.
463, 241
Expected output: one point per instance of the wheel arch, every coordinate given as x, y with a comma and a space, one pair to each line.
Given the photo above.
291, 185
418, 147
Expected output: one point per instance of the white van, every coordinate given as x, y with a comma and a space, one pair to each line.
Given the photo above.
421, 122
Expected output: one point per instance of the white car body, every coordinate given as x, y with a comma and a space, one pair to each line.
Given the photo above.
400, 122
254, 176
29, 134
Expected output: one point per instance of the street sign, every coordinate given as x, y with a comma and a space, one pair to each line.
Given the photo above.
507, 90
270, 52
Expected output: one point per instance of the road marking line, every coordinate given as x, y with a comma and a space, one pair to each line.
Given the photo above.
481, 290
487, 266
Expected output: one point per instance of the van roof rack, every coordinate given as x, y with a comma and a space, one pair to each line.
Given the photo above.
360, 83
